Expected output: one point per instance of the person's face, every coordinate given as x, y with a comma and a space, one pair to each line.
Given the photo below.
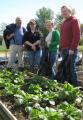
65, 13
49, 26
32, 25
18, 22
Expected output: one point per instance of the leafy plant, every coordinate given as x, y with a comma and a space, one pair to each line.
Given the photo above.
71, 111
43, 99
68, 93
34, 89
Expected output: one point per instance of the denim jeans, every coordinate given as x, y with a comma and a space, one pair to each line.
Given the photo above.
34, 58
72, 65
52, 58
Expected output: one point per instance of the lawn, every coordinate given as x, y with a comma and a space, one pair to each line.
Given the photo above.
3, 49
80, 48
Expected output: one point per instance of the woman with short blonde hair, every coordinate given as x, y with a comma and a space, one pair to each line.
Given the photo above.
52, 41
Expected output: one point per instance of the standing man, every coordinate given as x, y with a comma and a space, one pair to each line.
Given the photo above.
16, 41
69, 39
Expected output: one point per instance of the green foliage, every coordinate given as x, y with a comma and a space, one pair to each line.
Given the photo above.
44, 14
11, 81
71, 113
2, 27
1, 38
43, 99
2, 48
68, 93
81, 41
58, 21
34, 88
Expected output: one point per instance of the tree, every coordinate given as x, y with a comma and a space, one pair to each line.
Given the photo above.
73, 11
81, 28
44, 14
1, 38
58, 20
2, 26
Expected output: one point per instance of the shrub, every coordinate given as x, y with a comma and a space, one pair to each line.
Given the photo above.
81, 41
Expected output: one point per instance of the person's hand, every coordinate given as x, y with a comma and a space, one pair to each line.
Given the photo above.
8, 37
12, 35
25, 43
71, 52
59, 49
33, 47
23, 48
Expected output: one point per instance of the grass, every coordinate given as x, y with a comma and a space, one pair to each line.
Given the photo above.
3, 49
80, 48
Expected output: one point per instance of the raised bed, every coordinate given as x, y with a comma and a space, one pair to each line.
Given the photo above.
5, 114
37, 98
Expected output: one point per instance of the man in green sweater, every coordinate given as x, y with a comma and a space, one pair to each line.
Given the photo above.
52, 41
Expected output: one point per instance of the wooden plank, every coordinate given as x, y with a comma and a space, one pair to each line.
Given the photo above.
3, 115
6, 113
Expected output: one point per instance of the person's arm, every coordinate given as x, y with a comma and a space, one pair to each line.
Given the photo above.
37, 42
25, 39
38, 39
55, 39
76, 34
31, 45
8, 37
28, 43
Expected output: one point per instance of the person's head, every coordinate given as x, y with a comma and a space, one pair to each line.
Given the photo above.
32, 24
18, 21
66, 11
49, 25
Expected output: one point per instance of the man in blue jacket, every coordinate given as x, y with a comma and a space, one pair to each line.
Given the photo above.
16, 42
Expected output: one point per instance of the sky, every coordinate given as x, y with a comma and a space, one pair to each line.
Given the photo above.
26, 9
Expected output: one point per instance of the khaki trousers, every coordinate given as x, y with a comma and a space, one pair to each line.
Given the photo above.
13, 51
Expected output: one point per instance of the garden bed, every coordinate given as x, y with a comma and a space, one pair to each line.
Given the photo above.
38, 98
5, 114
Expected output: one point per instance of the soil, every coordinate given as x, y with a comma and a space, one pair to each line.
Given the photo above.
18, 112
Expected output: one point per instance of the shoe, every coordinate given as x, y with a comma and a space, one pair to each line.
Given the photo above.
80, 83
20, 68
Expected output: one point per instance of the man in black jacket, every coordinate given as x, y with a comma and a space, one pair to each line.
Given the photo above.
7, 32
15, 38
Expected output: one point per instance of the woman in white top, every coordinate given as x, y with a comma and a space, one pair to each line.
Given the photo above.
52, 41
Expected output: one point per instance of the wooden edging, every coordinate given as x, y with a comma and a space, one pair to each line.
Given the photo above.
6, 112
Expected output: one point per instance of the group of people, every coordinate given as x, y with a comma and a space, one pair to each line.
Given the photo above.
67, 39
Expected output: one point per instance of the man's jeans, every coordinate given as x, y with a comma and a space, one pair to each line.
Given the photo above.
52, 58
13, 50
72, 66
34, 58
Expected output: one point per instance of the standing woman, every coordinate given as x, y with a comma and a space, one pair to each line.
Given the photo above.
52, 41
32, 42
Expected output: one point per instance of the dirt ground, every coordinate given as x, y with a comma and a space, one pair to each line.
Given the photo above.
4, 54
